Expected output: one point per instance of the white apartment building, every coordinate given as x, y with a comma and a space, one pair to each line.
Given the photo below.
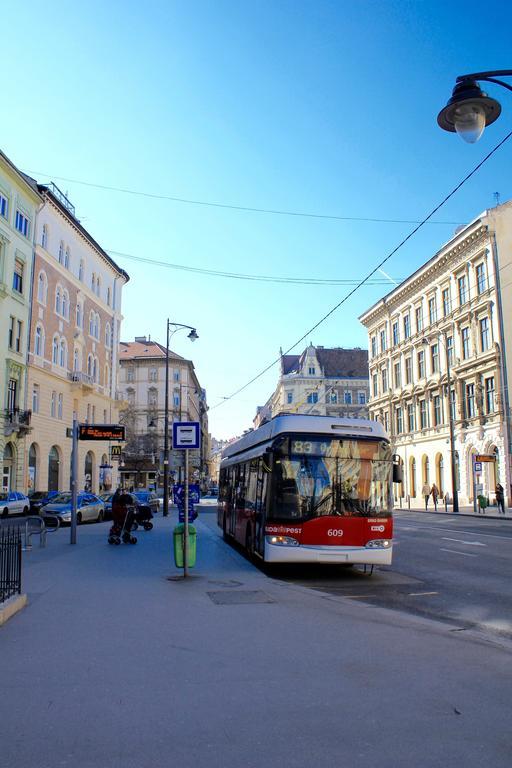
455, 308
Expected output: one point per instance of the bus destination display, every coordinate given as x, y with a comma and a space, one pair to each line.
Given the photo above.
101, 432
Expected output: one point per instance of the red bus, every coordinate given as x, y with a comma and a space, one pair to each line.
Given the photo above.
310, 489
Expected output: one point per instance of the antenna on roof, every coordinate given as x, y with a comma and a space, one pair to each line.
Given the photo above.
497, 198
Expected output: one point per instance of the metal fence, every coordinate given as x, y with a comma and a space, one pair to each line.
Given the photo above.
10, 562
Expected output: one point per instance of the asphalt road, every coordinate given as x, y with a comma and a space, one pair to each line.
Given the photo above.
455, 570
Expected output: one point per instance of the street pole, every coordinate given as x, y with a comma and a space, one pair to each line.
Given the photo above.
455, 492
185, 540
166, 429
74, 473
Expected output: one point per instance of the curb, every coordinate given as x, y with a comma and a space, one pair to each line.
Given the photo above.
11, 607
481, 516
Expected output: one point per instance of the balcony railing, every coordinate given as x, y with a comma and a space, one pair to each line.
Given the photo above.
77, 377
16, 420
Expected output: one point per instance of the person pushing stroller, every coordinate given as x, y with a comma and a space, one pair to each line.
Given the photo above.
123, 516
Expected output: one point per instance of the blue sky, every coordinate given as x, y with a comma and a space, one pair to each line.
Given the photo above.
321, 107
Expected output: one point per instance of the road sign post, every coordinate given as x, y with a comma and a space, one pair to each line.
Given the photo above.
186, 436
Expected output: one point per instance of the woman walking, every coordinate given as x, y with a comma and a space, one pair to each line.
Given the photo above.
426, 493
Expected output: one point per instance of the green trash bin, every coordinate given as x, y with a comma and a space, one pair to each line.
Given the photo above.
178, 537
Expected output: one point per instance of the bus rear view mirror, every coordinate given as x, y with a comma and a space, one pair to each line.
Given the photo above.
398, 473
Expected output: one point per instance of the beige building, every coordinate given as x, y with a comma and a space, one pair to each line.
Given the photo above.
72, 358
321, 381
454, 309
19, 203
142, 384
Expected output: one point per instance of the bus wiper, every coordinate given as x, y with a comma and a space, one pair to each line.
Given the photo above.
322, 501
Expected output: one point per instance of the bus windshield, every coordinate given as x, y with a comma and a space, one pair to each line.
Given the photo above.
314, 477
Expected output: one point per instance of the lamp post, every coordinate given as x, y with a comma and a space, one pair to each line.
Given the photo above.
453, 465
192, 336
470, 110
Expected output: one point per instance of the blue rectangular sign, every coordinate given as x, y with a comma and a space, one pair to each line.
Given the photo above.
186, 435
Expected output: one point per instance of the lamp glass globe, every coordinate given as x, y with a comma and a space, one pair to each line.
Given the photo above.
469, 121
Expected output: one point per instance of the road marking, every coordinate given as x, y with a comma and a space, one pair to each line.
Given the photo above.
455, 552
419, 594
462, 541
455, 530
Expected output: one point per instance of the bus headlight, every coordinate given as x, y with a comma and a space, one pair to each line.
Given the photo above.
282, 541
378, 544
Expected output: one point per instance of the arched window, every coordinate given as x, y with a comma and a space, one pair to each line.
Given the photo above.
66, 258
81, 271
42, 287
39, 341
53, 469
152, 396
76, 360
93, 281
440, 472
65, 304
58, 300
107, 335
108, 296
79, 316
55, 350
32, 466
107, 376
91, 323
97, 327
62, 353
412, 477
95, 370
89, 365
97, 286
61, 252
426, 470
44, 237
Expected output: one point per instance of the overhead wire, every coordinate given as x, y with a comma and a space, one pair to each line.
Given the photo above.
372, 272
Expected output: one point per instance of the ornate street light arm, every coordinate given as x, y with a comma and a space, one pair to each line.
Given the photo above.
470, 110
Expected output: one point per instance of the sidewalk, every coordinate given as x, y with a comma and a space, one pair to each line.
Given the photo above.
113, 665
464, 511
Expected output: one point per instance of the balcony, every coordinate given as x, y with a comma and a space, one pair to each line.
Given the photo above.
81, 379
17, 421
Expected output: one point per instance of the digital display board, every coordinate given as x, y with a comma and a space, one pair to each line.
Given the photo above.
101, 432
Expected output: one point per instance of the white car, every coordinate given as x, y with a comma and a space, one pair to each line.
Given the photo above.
14, 503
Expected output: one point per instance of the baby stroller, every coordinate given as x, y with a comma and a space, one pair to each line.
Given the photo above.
143, 517
123, 516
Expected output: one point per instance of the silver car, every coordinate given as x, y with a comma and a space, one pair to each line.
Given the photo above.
89, 508
14, 503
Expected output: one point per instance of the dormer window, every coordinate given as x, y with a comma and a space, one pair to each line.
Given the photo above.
311, 370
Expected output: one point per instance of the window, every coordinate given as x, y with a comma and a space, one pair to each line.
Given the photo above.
53, 404
62, 353
55, 350
130, 374
35, 398
93, 414
465, 343
386, 421
97, 286
489, 395
311, 370
39, 341
419, 319
313, 397
61, 252
384, 375
93, 281
59, 406
12, 394
152, 396
108, 341
108, 296
408, 370
447, 305
58, 301
374, 346
437, 411
130, 396
449, 349
76, 360
176, 376
470, 401
12, 323
463, 295
434, 351
432, 310
398, 376
383, 341
17, 339
22, 224
289, 397
79, 315
65, 304
411, 417
81, 270
176, 398
452, 405
153, 373
347, 398
485, 340
67, 258
423, 414
375, 388
407, 326
399, 421
17, 281
361, 398
44, 237
42, 287
421, 364
481, 278
4, 207
396, 333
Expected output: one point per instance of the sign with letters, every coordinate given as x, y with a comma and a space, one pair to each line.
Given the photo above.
101, 432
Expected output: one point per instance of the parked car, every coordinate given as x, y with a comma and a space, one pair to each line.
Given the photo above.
147, 499
106, 498
14, 503
38, 499
89, 508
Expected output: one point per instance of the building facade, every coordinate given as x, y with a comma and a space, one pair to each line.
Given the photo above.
73, 348
437, 347
320, 381
19, 203
142, 384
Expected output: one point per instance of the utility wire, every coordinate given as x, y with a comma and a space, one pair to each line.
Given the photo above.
249, 209
242, 276
375, 269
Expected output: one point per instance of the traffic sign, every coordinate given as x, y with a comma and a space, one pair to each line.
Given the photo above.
478, 466
186, 435
100, 432
194, 493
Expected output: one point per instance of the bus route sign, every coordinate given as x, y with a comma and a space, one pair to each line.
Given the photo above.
101, 432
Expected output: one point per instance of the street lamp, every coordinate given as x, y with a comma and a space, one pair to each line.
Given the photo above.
470, 109
192, 336
453, 465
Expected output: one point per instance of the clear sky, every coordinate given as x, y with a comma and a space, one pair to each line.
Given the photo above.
320, 107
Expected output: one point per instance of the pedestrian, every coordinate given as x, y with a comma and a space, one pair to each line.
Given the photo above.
434, 493
500, 498
426, 493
